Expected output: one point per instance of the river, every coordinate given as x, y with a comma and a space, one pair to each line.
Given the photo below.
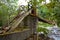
54, 33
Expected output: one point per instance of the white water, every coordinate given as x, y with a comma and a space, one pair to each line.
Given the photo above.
55, 33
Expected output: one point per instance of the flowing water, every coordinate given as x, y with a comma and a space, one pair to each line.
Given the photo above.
54, 33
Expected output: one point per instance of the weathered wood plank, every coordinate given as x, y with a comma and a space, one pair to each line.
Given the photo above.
18, 21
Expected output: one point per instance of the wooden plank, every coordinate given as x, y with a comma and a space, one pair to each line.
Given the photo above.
18, 21
44, 20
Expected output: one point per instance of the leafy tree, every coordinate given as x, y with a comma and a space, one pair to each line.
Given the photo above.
50, 11
8, 9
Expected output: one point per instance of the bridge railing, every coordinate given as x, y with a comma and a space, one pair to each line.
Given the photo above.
13, 23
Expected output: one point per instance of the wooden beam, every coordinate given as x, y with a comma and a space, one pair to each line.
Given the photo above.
16, 22
44, 20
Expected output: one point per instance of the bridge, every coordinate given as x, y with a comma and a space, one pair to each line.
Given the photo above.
31, 20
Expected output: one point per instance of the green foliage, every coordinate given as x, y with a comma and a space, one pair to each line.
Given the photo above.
57, 13
50, 11
8, 9
44, 30
41, 24
45, 12
42, 27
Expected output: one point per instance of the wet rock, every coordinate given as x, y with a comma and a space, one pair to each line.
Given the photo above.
43, 37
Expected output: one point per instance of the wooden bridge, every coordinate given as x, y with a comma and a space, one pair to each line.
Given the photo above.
9, 30
29, 19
